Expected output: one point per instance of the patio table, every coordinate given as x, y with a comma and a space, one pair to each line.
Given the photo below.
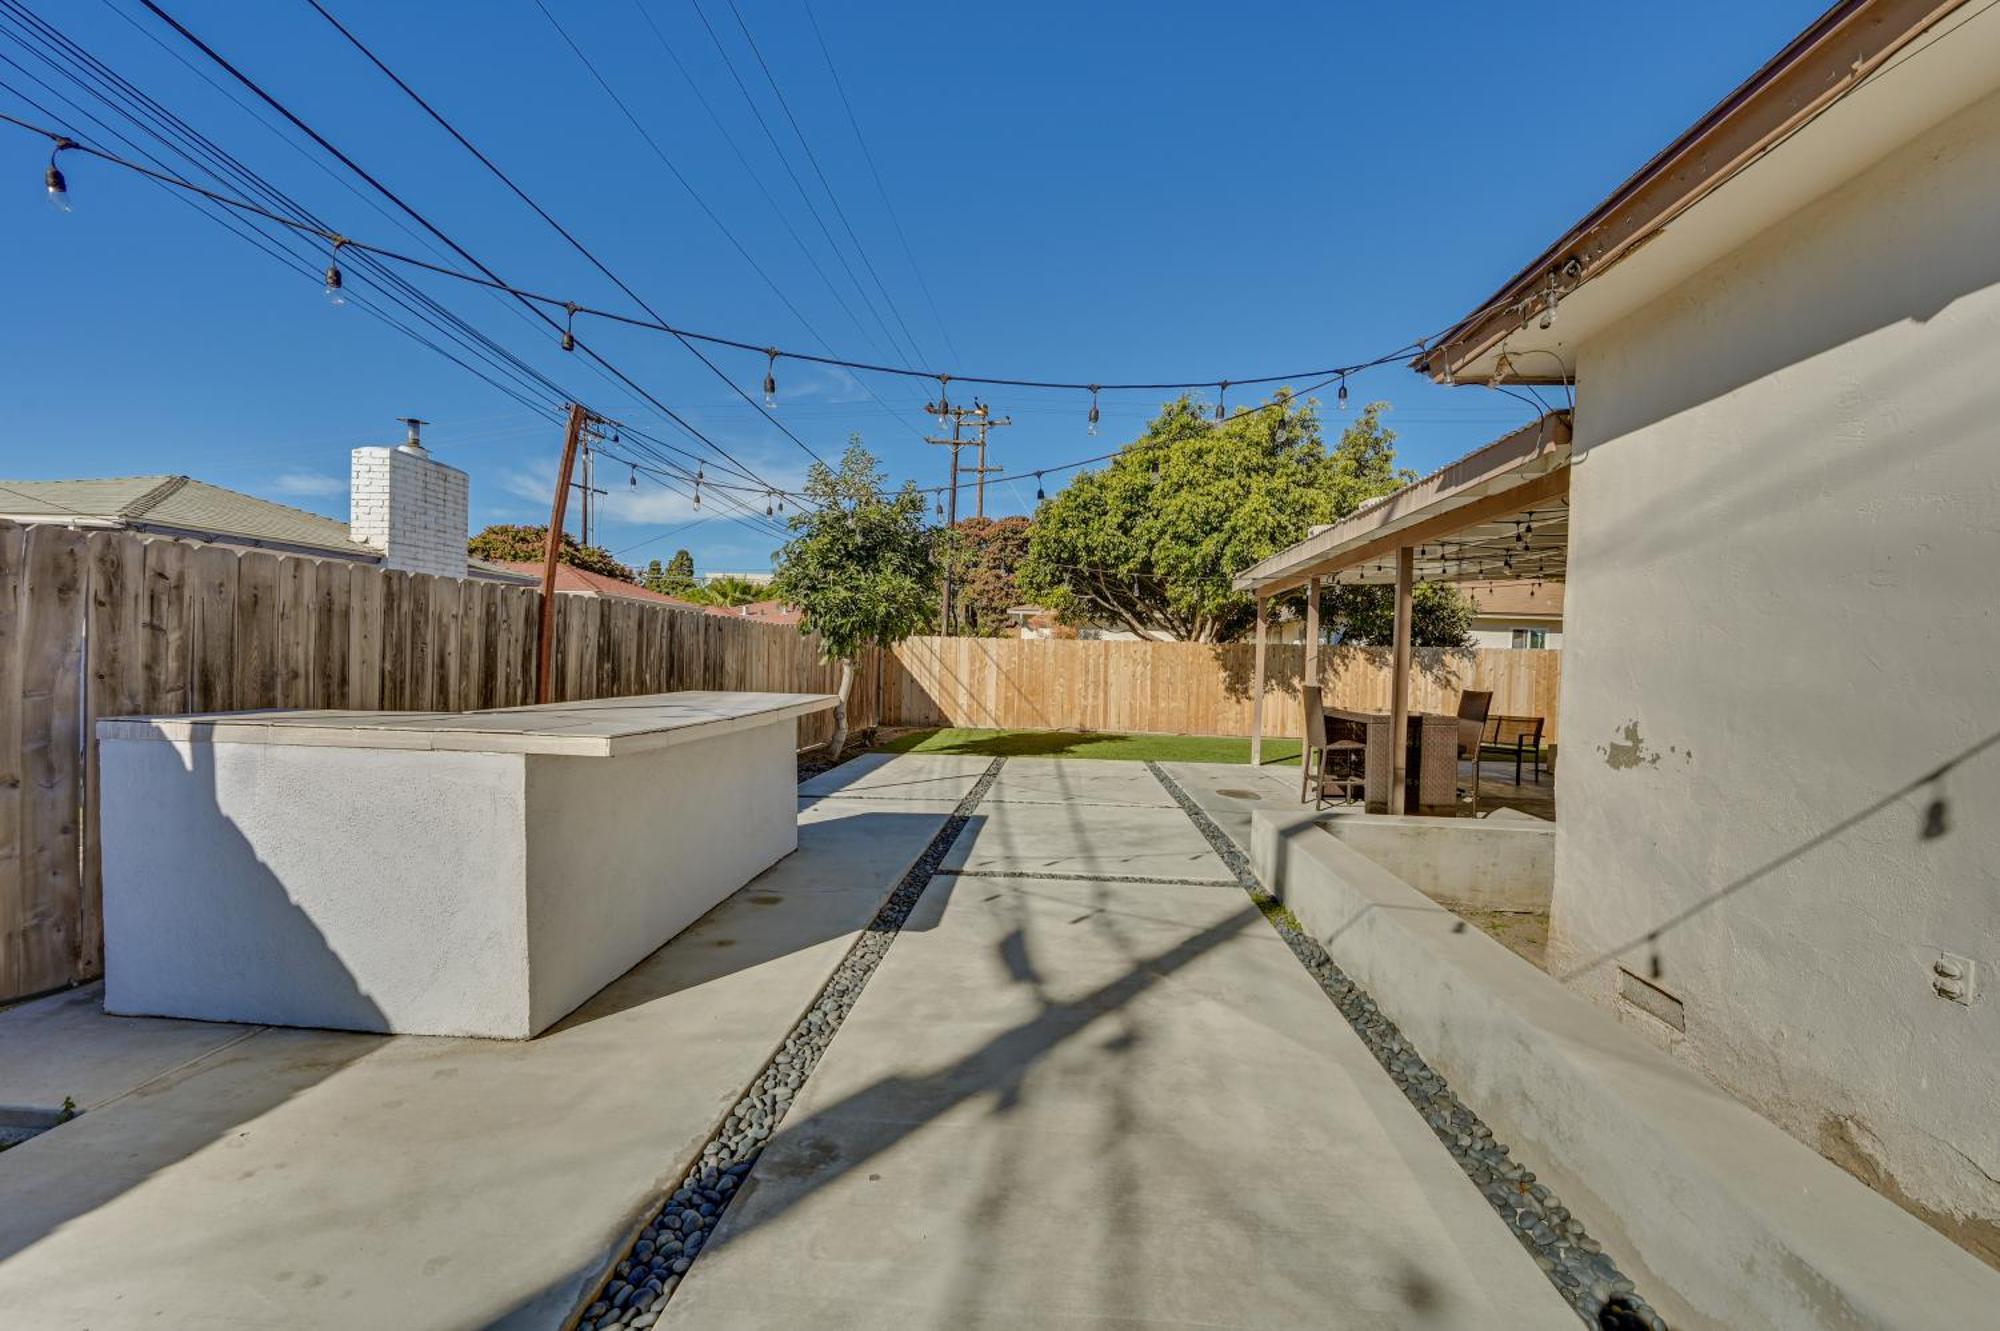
470, 873
1432, 768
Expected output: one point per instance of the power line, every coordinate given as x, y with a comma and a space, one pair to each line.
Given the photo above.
542, 301
540, 211
488, 276
785, 221
825, 183
881, 190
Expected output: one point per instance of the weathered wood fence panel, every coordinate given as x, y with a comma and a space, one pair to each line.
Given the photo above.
1183, 688
106, 623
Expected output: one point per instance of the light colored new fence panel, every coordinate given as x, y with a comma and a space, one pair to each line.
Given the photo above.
1181, 687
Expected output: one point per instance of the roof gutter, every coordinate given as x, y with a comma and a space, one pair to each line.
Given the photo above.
1833, 56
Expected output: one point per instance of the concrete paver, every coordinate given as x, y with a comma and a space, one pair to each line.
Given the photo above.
1077, 781
1131, 840
933, 776
1088, 1102
321, 1180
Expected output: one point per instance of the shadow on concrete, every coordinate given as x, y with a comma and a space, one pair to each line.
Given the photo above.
75, 1168
787, 908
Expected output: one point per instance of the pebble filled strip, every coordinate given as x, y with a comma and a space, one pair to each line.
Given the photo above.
1083, 877
647, 1275
1582, 1272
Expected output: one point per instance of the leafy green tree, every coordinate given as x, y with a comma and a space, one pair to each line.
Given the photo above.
988, 553
1440, 615
861, 566
674, 578
728, 589
1153, 540
514, 543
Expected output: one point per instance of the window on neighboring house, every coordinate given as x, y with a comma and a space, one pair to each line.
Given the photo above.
1533, 638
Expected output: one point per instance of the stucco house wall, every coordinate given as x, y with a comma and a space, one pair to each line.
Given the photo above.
1784, 611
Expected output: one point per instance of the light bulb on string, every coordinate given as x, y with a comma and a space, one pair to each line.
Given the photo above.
771, 380
767, 506
58, 187
336, 295
1093, 409
635, 475
1341, 396
569, 326
1221, 396
1039, 495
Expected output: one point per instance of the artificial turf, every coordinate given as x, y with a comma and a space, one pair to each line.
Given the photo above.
1088, 744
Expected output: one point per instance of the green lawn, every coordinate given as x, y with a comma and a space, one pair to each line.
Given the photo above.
1086, 744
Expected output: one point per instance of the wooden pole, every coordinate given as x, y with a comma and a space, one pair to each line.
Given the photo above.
1399, 681
1309, 669
1257, 692
545, 643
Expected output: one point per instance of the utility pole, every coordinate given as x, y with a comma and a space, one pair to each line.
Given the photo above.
545, 640
942, 409
983, 420
586, 488
980, 417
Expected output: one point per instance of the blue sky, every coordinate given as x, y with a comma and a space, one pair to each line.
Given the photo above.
1090, 192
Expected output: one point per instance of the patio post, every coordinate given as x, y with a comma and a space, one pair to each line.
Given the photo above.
1399, 681
1257, 692
1311, 666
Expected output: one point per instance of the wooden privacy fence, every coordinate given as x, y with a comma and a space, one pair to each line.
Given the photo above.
106, 623
1183, 687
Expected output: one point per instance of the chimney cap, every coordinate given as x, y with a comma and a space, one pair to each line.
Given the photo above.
414, 442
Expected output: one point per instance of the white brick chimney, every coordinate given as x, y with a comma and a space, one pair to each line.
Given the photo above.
410, 506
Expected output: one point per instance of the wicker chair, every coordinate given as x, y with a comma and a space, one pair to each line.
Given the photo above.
1473, 705
1340, 758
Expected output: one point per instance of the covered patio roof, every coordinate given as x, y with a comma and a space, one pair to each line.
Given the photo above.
1501, 511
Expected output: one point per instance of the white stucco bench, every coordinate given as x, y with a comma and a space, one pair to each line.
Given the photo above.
473, 873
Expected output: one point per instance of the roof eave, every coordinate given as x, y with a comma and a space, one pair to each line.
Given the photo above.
1834, 54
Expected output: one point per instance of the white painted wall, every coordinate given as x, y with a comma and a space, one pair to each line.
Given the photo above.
415, 891
1785, 529
410, 506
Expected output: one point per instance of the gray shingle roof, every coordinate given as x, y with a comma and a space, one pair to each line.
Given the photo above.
179, 504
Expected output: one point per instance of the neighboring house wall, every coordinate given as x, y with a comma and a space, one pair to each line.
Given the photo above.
1785, 521
1517, 633
411, 507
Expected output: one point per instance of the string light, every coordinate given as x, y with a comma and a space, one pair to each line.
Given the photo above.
635, 474
1039, 495
1093, 409
57, 186
569, 325
334, 293
1341, 396
771, 379
1570, 271
700, 474
1221, 396
1549, 311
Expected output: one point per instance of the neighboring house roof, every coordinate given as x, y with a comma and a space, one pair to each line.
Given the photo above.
574, 581
181, 506
1807, 120
1515, 599
770, 612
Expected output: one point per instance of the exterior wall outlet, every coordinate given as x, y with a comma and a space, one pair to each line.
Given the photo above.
1953, 977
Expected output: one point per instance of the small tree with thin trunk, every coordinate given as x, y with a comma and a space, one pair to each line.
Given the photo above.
861, 566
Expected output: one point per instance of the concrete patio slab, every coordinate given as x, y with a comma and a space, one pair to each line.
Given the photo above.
1077, 781
1129, 840
320, 1180
1092, 1103
64, 1046
937, 776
